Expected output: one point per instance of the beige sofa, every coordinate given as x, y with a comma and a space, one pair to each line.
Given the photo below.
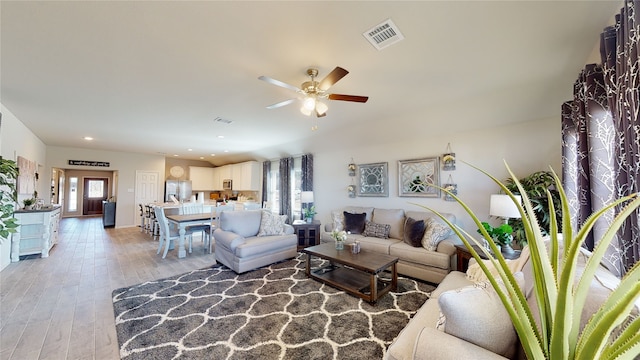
250, 239
416, 262
482, 328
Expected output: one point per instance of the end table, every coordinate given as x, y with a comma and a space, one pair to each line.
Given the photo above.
463, 255
308, 234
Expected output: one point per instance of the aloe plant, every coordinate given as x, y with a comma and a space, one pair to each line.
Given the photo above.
8, 198
558, 301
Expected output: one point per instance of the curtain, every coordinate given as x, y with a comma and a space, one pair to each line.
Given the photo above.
286, 164
266, 170
601, 136
307, 175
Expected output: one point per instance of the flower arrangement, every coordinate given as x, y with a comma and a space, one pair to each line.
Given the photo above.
339, 235
310, 212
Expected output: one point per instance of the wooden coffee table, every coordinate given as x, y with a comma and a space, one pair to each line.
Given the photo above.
357, 274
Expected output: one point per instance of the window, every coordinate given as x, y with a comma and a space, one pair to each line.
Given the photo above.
273, 187
96, 189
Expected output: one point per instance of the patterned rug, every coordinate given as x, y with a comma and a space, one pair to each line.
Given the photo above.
274, 312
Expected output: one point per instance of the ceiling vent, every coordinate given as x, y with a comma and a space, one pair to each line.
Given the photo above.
383, 35
222, 121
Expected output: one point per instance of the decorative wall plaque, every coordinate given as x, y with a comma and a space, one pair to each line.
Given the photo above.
373, 179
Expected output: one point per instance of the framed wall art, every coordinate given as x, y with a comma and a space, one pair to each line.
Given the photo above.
373, 179
416, 177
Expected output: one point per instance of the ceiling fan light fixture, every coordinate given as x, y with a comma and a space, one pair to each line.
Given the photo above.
321, 108
309, 103
305, 111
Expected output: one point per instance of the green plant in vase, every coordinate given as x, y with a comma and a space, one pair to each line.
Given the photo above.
309, 213
28, 203
501, 235
559, 292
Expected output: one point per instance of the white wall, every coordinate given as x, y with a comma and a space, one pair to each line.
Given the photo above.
125, 164
527, 147
17, 140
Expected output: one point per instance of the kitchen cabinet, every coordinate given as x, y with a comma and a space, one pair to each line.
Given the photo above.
202, 178
220, 174
37, 233
246, 176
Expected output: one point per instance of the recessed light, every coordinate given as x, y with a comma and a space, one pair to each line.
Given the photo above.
88, 138
176, 155
220, 136
201, 157
226, 151
189, 149
213, 154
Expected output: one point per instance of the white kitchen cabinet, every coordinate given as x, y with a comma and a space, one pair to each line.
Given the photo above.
222, 173
217, 180
202, 178
246, 176
37, 233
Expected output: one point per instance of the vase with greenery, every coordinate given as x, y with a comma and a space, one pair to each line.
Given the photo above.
28, 203
8, 198
536, 186
559, 292
309, 213
501, 235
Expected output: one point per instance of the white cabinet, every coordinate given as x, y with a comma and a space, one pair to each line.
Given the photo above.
246, 176
37, 233
221, 173
202, 178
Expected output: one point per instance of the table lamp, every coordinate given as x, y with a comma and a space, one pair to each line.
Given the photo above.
503, 207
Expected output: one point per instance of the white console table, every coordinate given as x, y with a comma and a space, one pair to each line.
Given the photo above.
37, 233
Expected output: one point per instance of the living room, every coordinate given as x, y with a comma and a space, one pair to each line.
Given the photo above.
479, 124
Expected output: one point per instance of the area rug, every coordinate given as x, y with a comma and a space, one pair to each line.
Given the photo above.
274, 312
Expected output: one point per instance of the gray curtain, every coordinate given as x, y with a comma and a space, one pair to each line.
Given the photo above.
307, 174
266, 171
286, 164
601, 151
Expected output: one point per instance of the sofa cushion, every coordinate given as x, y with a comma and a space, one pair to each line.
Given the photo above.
359, 210
354, 223
476, 314
419, 255
393, 217
374, 244
258, 246
376, 230
271, 224
424, 215
244, 223
413, 231
434, 233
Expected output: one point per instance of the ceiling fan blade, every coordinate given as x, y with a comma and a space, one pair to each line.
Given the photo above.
280, 104
354, 98
333, 77
279, 83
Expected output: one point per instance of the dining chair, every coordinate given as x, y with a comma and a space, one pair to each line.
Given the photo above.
252, 206
166, 233
196, 208
142, 218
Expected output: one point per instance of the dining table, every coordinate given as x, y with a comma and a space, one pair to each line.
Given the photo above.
182, 221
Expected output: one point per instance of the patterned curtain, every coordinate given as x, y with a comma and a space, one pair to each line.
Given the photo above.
286, 164
601, 136
266, 170
307, 175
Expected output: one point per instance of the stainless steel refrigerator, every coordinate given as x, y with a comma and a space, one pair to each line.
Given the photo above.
181, 189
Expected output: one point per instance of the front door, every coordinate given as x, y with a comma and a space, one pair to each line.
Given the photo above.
95, 191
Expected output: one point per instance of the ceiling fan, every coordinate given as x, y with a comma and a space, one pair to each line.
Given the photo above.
314, 91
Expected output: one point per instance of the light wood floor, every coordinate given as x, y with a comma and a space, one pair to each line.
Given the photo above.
60, 307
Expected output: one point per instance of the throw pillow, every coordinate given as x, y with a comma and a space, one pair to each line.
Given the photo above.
354, 223
271, 224
434, 233
376, 230
338, 220
414, 232
476, 314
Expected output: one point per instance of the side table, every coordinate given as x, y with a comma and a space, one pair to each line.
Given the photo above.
464, 255
308, 233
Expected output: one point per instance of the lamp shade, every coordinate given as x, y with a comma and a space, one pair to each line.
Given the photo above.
306, 197
502, 206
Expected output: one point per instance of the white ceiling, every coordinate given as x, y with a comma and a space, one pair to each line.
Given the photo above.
144, 76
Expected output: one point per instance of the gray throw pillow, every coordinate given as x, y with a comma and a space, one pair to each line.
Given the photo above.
414, 232
376, 230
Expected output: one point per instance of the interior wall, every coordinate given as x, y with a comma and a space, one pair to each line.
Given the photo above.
125, 164
526, 147
17, 140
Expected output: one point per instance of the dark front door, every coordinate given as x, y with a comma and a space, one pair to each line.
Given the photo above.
95, 191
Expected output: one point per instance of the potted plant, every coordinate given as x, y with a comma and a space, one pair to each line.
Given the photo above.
309, 213
501, 235
28, 203
559, 292
8, 197
536, 186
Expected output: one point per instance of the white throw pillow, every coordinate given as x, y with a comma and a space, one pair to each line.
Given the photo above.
434, 233
337, 218
271, 224
476, 314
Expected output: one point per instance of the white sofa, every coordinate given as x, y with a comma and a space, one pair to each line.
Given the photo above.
416, 262
242, 246
478, 333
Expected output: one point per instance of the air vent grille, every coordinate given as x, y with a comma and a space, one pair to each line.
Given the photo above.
222, 121
383, 35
